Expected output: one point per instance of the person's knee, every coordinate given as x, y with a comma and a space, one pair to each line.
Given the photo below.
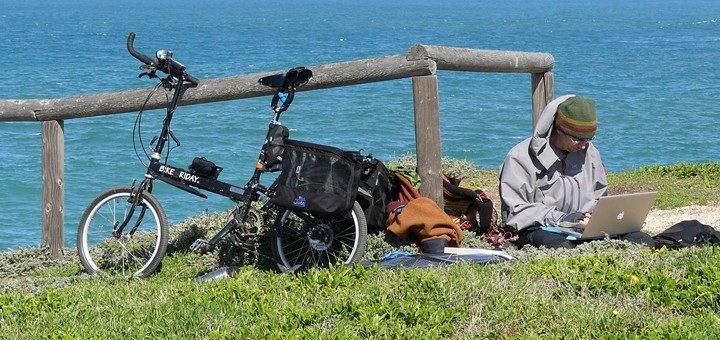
542, 238
561, 243
639, 237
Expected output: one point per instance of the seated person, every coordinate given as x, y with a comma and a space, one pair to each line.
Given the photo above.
555, 176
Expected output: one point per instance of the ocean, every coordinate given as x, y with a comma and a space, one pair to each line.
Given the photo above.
652, 66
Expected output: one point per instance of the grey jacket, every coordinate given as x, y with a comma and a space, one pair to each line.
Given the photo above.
540, 184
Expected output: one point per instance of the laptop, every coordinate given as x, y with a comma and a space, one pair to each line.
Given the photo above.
613, 215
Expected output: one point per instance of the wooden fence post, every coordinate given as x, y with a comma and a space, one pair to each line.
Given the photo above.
427, 136
543, 91
53, 183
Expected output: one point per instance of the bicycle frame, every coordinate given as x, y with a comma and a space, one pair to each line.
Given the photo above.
187, 181
298, 238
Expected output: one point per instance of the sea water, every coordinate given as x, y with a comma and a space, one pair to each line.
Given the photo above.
652, 66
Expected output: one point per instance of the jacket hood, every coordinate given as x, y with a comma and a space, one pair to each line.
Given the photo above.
540, 143
547, 117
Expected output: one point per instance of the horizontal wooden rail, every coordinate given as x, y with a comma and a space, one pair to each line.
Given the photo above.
420, 63
212, 90
473, 60
421, 60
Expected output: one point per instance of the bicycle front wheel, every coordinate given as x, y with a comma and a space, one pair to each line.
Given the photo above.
306, 240
138, 249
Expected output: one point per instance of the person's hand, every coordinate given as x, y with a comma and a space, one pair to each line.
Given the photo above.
574, 217
576, 220
586, 219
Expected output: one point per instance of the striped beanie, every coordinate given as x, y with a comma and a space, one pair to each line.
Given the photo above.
577, 117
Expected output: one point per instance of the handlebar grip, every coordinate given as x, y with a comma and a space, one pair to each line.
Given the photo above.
139, 56
177, 69
192, 79
175, 65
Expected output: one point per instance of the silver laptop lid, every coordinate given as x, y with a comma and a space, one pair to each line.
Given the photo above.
619, 214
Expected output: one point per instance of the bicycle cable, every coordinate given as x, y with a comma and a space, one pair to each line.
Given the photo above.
137, 125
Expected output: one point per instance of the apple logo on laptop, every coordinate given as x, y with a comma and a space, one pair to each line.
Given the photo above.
621, 215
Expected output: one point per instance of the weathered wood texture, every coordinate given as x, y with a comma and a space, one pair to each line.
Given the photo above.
427, 136
474, 60
421, 63
543, 91
53, 194
420, 60
212, 90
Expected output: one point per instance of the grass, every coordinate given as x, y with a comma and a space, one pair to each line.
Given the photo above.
678, 185
604, 289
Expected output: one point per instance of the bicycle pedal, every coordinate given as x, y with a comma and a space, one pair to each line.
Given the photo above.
199, 246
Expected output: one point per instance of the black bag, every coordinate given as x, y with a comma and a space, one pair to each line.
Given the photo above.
318, 179
378, 187
687, 234
204, 168
277, 135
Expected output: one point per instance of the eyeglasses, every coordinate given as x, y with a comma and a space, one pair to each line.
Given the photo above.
575, 140
580, 141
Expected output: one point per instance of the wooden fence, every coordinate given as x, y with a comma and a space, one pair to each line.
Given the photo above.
420, 63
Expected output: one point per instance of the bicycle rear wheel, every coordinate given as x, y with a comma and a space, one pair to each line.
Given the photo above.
306, 240
137, 251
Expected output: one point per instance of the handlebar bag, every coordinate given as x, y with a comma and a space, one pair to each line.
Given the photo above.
318, 179
205, 168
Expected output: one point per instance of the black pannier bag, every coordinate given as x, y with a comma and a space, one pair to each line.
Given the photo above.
377, 188
318, 179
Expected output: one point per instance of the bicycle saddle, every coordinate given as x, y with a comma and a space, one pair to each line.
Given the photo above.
292, 78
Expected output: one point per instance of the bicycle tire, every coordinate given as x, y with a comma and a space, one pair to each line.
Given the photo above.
137, 254
305, 240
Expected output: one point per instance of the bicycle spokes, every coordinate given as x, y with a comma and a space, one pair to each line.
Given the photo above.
319, 242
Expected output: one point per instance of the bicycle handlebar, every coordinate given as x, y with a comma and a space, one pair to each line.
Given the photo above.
139, 56
167, 64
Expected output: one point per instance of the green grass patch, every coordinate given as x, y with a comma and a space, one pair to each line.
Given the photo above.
677, 185
603, 289
608, 291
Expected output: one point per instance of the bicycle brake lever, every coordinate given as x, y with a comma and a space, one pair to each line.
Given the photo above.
153, 142
172, 135
150, 71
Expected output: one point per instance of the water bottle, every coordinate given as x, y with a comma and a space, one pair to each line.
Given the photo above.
218, 274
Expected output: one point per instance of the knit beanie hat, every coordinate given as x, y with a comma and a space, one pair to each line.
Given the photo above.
576, 117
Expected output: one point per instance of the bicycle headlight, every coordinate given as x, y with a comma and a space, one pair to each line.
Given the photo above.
163, 54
